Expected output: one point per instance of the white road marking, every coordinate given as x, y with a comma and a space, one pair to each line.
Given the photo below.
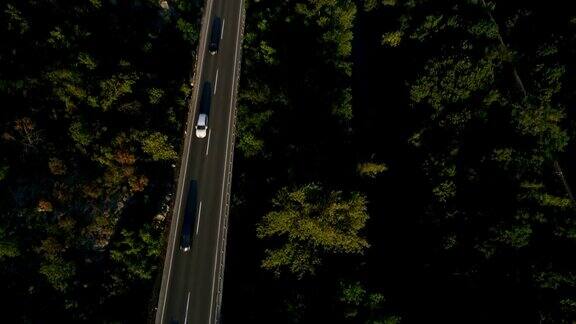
216, 82
208, 141
209, 5
222, 31
225, 159
187, 303
199, 215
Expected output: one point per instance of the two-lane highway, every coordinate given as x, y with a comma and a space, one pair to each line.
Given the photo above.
192, 280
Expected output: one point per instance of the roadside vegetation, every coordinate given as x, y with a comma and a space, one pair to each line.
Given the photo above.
404, 162
93, 104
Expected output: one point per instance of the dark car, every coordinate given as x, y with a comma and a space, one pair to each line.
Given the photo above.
215, 36
189, 217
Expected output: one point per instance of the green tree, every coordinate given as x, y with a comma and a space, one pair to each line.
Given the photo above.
58, 272
310, 224
155, 95
8, 246
115, 88
79, 134
136, 253
157, 146
16, 21
4, 168
335, 18
363, 306
371, 169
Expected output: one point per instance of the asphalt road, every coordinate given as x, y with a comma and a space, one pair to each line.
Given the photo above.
191, 290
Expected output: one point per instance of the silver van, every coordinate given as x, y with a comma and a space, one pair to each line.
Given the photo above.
202, 126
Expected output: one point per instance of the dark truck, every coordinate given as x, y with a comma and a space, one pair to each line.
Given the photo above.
215, 36
189, 217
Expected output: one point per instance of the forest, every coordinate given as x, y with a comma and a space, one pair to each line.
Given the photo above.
397, 161
404, 162
93, 96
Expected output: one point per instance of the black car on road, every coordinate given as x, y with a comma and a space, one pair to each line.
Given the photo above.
189, 217
215, 36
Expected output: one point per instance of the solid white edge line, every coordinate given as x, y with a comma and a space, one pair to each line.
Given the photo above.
187, 303
209, 4
208, 141
199, 215
176, 230
216, 82
226, 158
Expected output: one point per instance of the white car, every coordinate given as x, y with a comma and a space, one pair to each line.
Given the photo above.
202, 126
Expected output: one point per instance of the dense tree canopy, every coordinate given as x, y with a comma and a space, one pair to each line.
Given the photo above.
313, 223
93, 103
457, 133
